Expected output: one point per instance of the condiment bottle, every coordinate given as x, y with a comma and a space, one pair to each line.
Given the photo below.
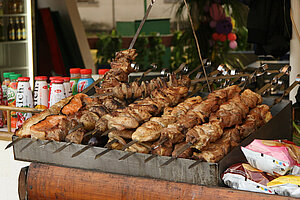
67, 87
4, 86
1, 103
11, 97
101, 73
86, 79
23, 99
40, 100
50, 86
75, 76
57, 91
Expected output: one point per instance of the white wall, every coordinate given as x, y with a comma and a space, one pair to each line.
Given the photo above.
9, 173
125, 10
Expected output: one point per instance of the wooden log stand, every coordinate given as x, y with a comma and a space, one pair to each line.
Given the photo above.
49, 182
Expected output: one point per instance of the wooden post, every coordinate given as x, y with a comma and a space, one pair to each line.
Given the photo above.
53, 182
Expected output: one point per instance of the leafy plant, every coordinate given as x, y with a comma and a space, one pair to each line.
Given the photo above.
107, 46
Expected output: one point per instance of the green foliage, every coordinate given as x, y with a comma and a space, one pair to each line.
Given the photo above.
107, 46
149, 48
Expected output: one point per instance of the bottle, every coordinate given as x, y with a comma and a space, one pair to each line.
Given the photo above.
1, 7
50, 86
11, 30
23, 99
2, 36
101, 73
20, 6
18, 29
1, 112
57, 91
75, 76
4, 88
86, 79
11, 97
23, 29
14, 7
40, 94
67, 87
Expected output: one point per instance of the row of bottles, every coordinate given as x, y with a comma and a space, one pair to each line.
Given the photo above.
14, 30
11, 7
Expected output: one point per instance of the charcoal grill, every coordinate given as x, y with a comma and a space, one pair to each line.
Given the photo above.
279, 127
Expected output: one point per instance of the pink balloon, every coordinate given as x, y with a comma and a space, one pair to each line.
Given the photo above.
213, 24
233, 44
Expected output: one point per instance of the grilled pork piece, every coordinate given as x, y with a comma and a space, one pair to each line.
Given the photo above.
139, 148
186, 154
25, 131
76, 136
201, 135
89, 119
75, 104
251, 99
162, 150
39, 130
151, 130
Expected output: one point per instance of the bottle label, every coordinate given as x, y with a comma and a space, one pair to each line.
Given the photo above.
23, 99
4, 89
84, 83
57, 94
11, 93
67, 87
40, 95
74, 83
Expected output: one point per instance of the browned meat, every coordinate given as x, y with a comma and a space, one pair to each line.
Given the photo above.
59, 132
251, 99
74, 105
186, 154
89, 120
200, 136
75, 136
163, 150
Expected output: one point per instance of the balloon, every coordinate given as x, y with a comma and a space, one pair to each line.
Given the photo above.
231, 36
215, 36
233, 44
222, 37
216, 12
213, 24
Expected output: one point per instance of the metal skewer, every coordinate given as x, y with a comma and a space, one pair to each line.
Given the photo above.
81, 151
13, 142
195, 164
129, 144
108, 146
180, 151
155, 155
33, 140
45, 143
63, 147
141, 24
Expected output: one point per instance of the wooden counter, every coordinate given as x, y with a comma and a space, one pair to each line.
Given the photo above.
49, 182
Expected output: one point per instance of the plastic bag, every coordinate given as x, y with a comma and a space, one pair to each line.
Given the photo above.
286, 185
272, 156
243, 176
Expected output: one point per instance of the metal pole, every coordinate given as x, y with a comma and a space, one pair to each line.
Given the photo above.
145, 6
113, 14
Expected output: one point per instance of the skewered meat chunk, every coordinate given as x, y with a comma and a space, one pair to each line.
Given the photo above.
151, 130
257, 117
60, 131
200, 136
126, 134
186, 154
39, 130
139, 148
89, 120
162, 150
76, 136
75, 104
251, 99
174, 135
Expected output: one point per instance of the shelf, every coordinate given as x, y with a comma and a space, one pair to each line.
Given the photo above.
14, 15
14, 42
